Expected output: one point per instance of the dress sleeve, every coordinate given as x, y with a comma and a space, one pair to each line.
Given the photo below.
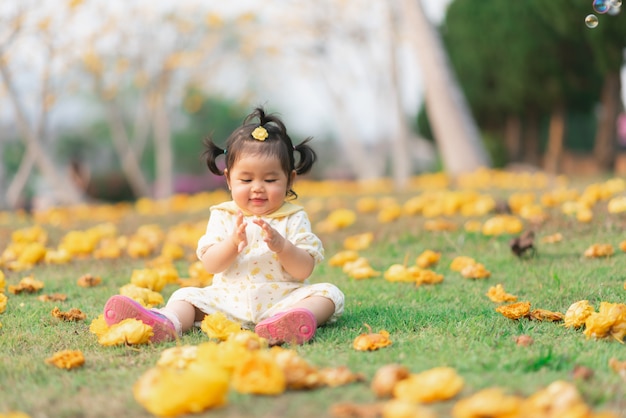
300, 234
218, 229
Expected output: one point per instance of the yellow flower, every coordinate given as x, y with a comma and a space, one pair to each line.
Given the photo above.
358, 242
259, 374
437, 384
428, 258
216, 325
3, 302
577, 314
169, 392
260, 133
145, 296
515, 310
371, 341
99, 326
491, 402
67, 359
129, 331
498, 294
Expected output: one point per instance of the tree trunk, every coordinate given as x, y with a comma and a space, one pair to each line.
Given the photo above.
18, 183
357, 158
128, 159
531, 139
400, 155
65, 193
164, 186
513, 138
452, 123
556, 134
605, 138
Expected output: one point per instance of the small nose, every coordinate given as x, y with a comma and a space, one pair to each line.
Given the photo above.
257, 186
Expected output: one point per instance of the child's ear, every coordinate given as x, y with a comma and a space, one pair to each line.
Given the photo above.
292, 177
227, 178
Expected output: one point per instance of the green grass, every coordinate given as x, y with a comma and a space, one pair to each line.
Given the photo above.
450, 324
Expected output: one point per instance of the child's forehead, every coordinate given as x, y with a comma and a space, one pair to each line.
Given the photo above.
251, 159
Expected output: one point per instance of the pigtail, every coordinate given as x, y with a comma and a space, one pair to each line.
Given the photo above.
211, 152
308, 157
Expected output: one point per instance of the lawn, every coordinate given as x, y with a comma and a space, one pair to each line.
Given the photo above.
449, 324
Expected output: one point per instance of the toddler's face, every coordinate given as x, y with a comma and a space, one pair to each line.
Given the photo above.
258, 184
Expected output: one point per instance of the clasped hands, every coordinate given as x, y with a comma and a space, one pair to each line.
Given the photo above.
274, 240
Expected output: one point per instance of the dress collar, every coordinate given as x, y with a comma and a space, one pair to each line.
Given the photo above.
285, 210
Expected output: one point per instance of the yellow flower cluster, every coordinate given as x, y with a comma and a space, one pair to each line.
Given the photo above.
193, 379
408, 394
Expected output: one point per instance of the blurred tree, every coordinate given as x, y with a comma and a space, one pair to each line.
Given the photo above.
602, 49
223, 116
22, 28
450, 118
142, 87
536, 59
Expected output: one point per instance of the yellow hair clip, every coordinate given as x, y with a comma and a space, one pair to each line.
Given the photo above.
260, 133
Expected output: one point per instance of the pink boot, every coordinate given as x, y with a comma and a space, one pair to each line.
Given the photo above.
119, 308
295, 326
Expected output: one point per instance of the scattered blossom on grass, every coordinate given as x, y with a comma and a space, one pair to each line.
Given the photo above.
343, 257
74, 314
371, 341
27, 284
99, 326
53, 297
3, 302
428, 258
434, 385
577, 314
475, 271
546, 315
148, 298
67, 359
386, 378
609, 321
148, 278
490, 402
599, 250
358, 242
129, 331
497, 294
552, 239
515, 310
217, 326
88, 280
460, 262
169, 392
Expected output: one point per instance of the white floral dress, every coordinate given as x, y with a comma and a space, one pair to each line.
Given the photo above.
256, 286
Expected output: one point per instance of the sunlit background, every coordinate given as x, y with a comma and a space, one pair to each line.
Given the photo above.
111, 99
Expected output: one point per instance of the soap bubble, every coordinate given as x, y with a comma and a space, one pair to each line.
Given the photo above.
614, 7
613, 11
591, 21
602, 6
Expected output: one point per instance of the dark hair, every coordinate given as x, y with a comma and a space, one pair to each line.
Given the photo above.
277, 144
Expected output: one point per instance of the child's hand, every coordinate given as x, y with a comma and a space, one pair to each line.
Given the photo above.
239, 237
274, 240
